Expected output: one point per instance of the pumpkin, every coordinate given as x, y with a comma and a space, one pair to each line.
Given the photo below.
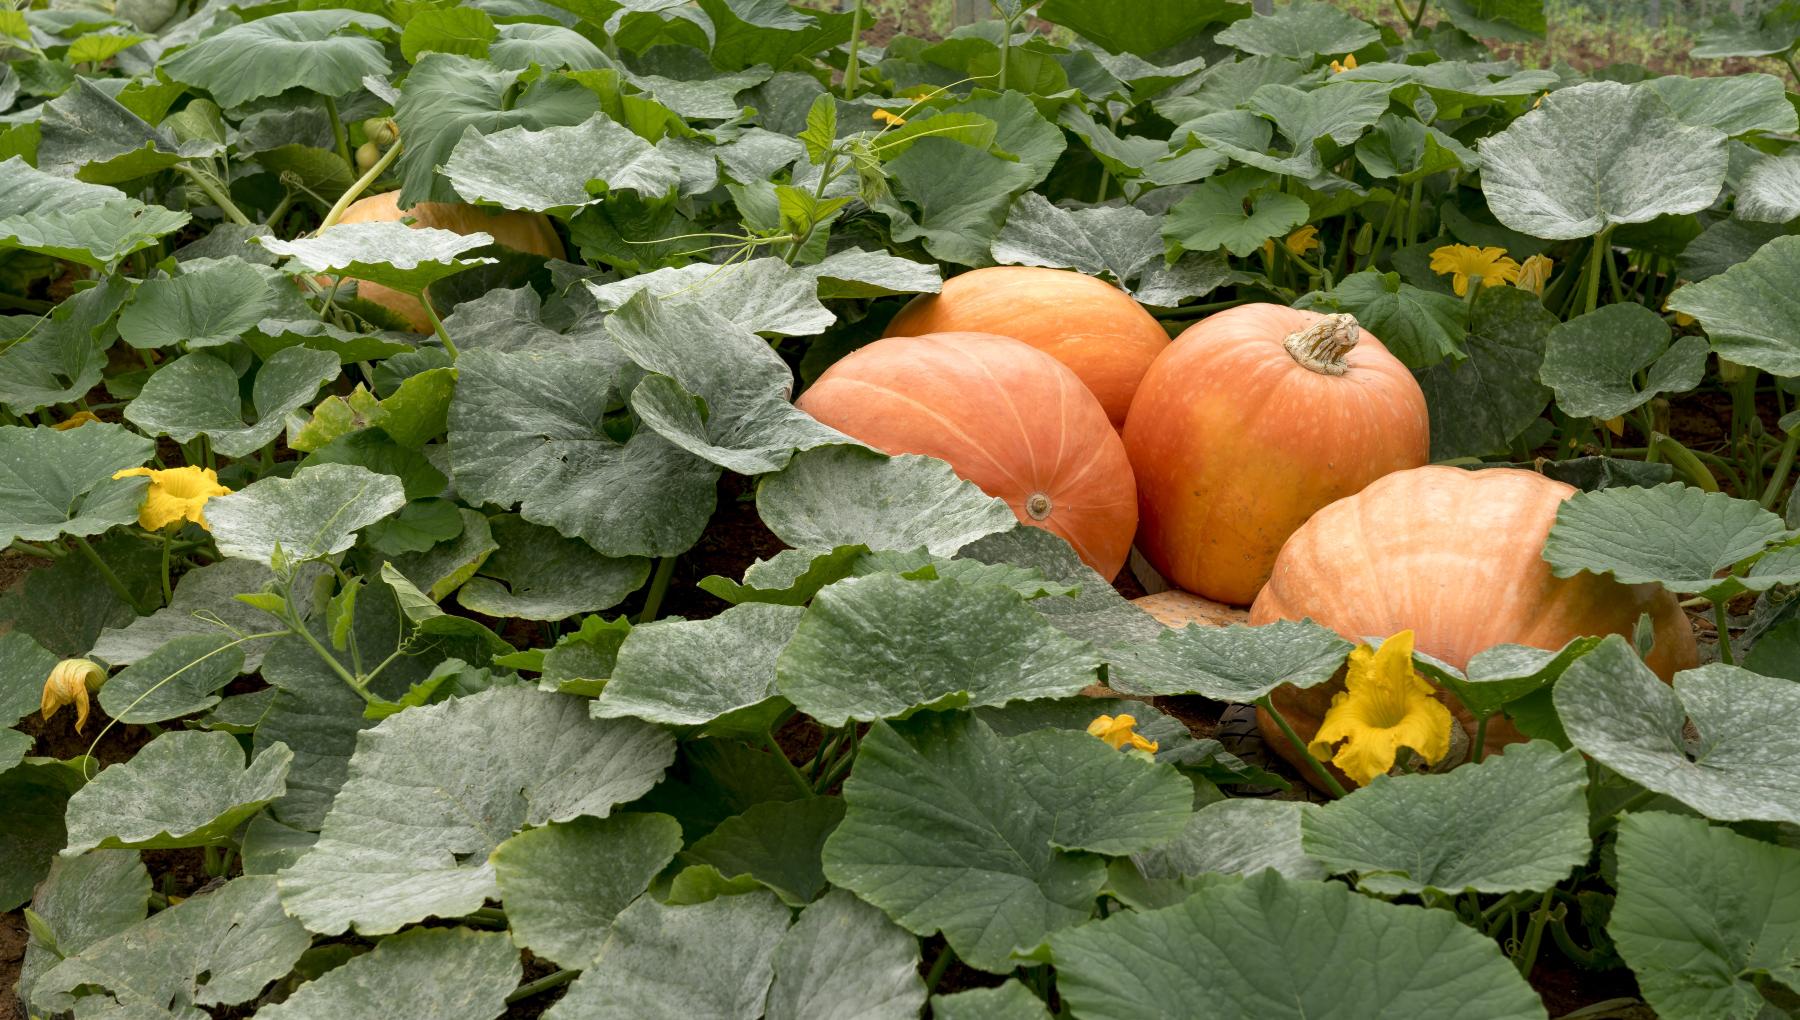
526, 232
1174, 608
1007, 417
1252, 420
1103, 335
1455, 556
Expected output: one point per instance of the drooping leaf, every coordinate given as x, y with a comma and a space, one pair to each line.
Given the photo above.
444, 973
536, 574
208, 306
1594, 361
1419, 327
83, 900
1237, 212
198, 395
1748, 308
1238, 836
314, 514
1139, 28
1480, 404
61, 483
719, 672
1510, 20
185, 788
951, 197
779, 843
91, 224
297, 49
87, 134
842, 958
393, 254
464, 30
847, 495
763, 295
556, 169
1097, 614
35, 794
854, 273
1735, 104
1300, 29
1674, 535
1121, 241
1239, 663
1009, 1001
179, 678
58, 359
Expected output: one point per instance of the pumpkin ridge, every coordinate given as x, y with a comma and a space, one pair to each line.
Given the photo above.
944, 423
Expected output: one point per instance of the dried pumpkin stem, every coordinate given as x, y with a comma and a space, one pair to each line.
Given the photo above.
1321, 347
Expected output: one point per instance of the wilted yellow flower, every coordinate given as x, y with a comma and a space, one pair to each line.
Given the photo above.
69, 684
888, 117
1384, 706
1466, 260
176, 494
75, 421
1534, 273
1119, 731
1303, 240
1348, 64
1616, 425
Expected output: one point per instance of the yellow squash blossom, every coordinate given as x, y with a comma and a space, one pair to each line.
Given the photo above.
75, 421
70, 683
1466, 260
888, 117
1303, 240
175, 495
1534, 273
1119, 731
1384, 706
1681, 318
1348, 64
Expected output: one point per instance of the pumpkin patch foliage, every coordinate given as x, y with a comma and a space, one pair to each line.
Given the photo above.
715, 509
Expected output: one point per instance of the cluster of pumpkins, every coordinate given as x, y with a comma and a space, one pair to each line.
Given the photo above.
1268, 457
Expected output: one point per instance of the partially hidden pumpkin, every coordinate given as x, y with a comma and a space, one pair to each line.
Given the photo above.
1007, 417
1179, 608
1456, 557
1099, 331
1252, 420
526, 232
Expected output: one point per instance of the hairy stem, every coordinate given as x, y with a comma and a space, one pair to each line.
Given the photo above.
1267, 704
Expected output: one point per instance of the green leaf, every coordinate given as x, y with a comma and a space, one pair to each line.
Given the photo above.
1594, 362
660, 962
1595, 156
198, 395
1254, 947
1705, 916
522, 44
849, 495
314, 514
180, 678
1239, 836
35, 794
1301, 29
1480, 404
61, 483
556, 169
91, 136
1097, 614
883, 647
526, 430
1238, 663
1123, 242
718, 672
1010, 1001
24, 666
1406, 150
61, 358
821, 128
778, 843
1769, 191
1143, 27
842, 958
205, 306
951, 197
763, 295
185, 788
93, 225
1774, 31
83, 900
1748, 308
1504, 673
1674, 535
462, 30
1776, 652
1735, 104
537, 574
408, 259
1339, 112
446, 566
1419, 327
1508, 20
219, 948
563, 883
390, 853
444, 973
1617, 711
297, 49
66, 605
1515, 822
1237, 211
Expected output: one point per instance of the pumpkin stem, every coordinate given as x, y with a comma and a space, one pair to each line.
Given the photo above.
1038, 506
1321, 346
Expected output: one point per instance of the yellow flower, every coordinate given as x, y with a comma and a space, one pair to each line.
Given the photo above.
1534, 272
1616, 426
1681, 318
75, 421
1464, 260
888, 117
1303, 240
1119, 731
1539, 101
1384, 706
69, 684
1348, 64
175, 495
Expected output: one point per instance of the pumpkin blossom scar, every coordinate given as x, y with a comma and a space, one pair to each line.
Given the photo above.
175, 495
1463, 261
1384, 706
70, 683
1120, 732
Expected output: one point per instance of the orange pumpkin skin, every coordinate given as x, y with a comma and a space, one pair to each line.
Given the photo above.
1096, 329
1455, 556
526, 232
1177, 609
1235, 442
1007, 417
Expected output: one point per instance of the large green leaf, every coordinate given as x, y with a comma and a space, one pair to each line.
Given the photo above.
1595, 362
848, 495
198, 395
1743, 765
205, 598
1598, 155
1143, 27
1735, 104
1749, 308
87, 134
1239, 836
951, 197
1097, 614
536, 574
35, 794
1769, 191
563, 883
185, 788
177, 679
1237, 663
1705, 916
842, 958
1509, 20
83, 900
61, 483
87, 223
314, 514
59, 358
1267, 947
394, 255
1009, 1001
1123, 242
1419, 327
1237, 212
718, 672
24, 666
557, 169
1480, 404
778, 843
1301, 29
297, 49
1775, 31
410, 832
763, 295
1674, 535
206, 306
660, 962
1516, 822
443, 973
882, 647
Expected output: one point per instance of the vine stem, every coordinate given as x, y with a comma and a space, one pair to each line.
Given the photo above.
1267, 704
339, 133
1480, 739
1783, 465
659, 587
1534, 935
168, 548
774, 746
1722, 625
437, 324
362, 184
107, 575
214, 192
1600, 251
542, 985
939, 966
852, 71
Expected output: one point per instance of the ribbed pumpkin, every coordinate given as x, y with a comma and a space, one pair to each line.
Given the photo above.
1179, 608
526, 232
1006, 416
1096, 329
1252, 420
1455, 556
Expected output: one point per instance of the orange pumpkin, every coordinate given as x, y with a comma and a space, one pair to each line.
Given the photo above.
1456, 556
1178, 609
526, 232
1252, 420
1096, 329
1007, 417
